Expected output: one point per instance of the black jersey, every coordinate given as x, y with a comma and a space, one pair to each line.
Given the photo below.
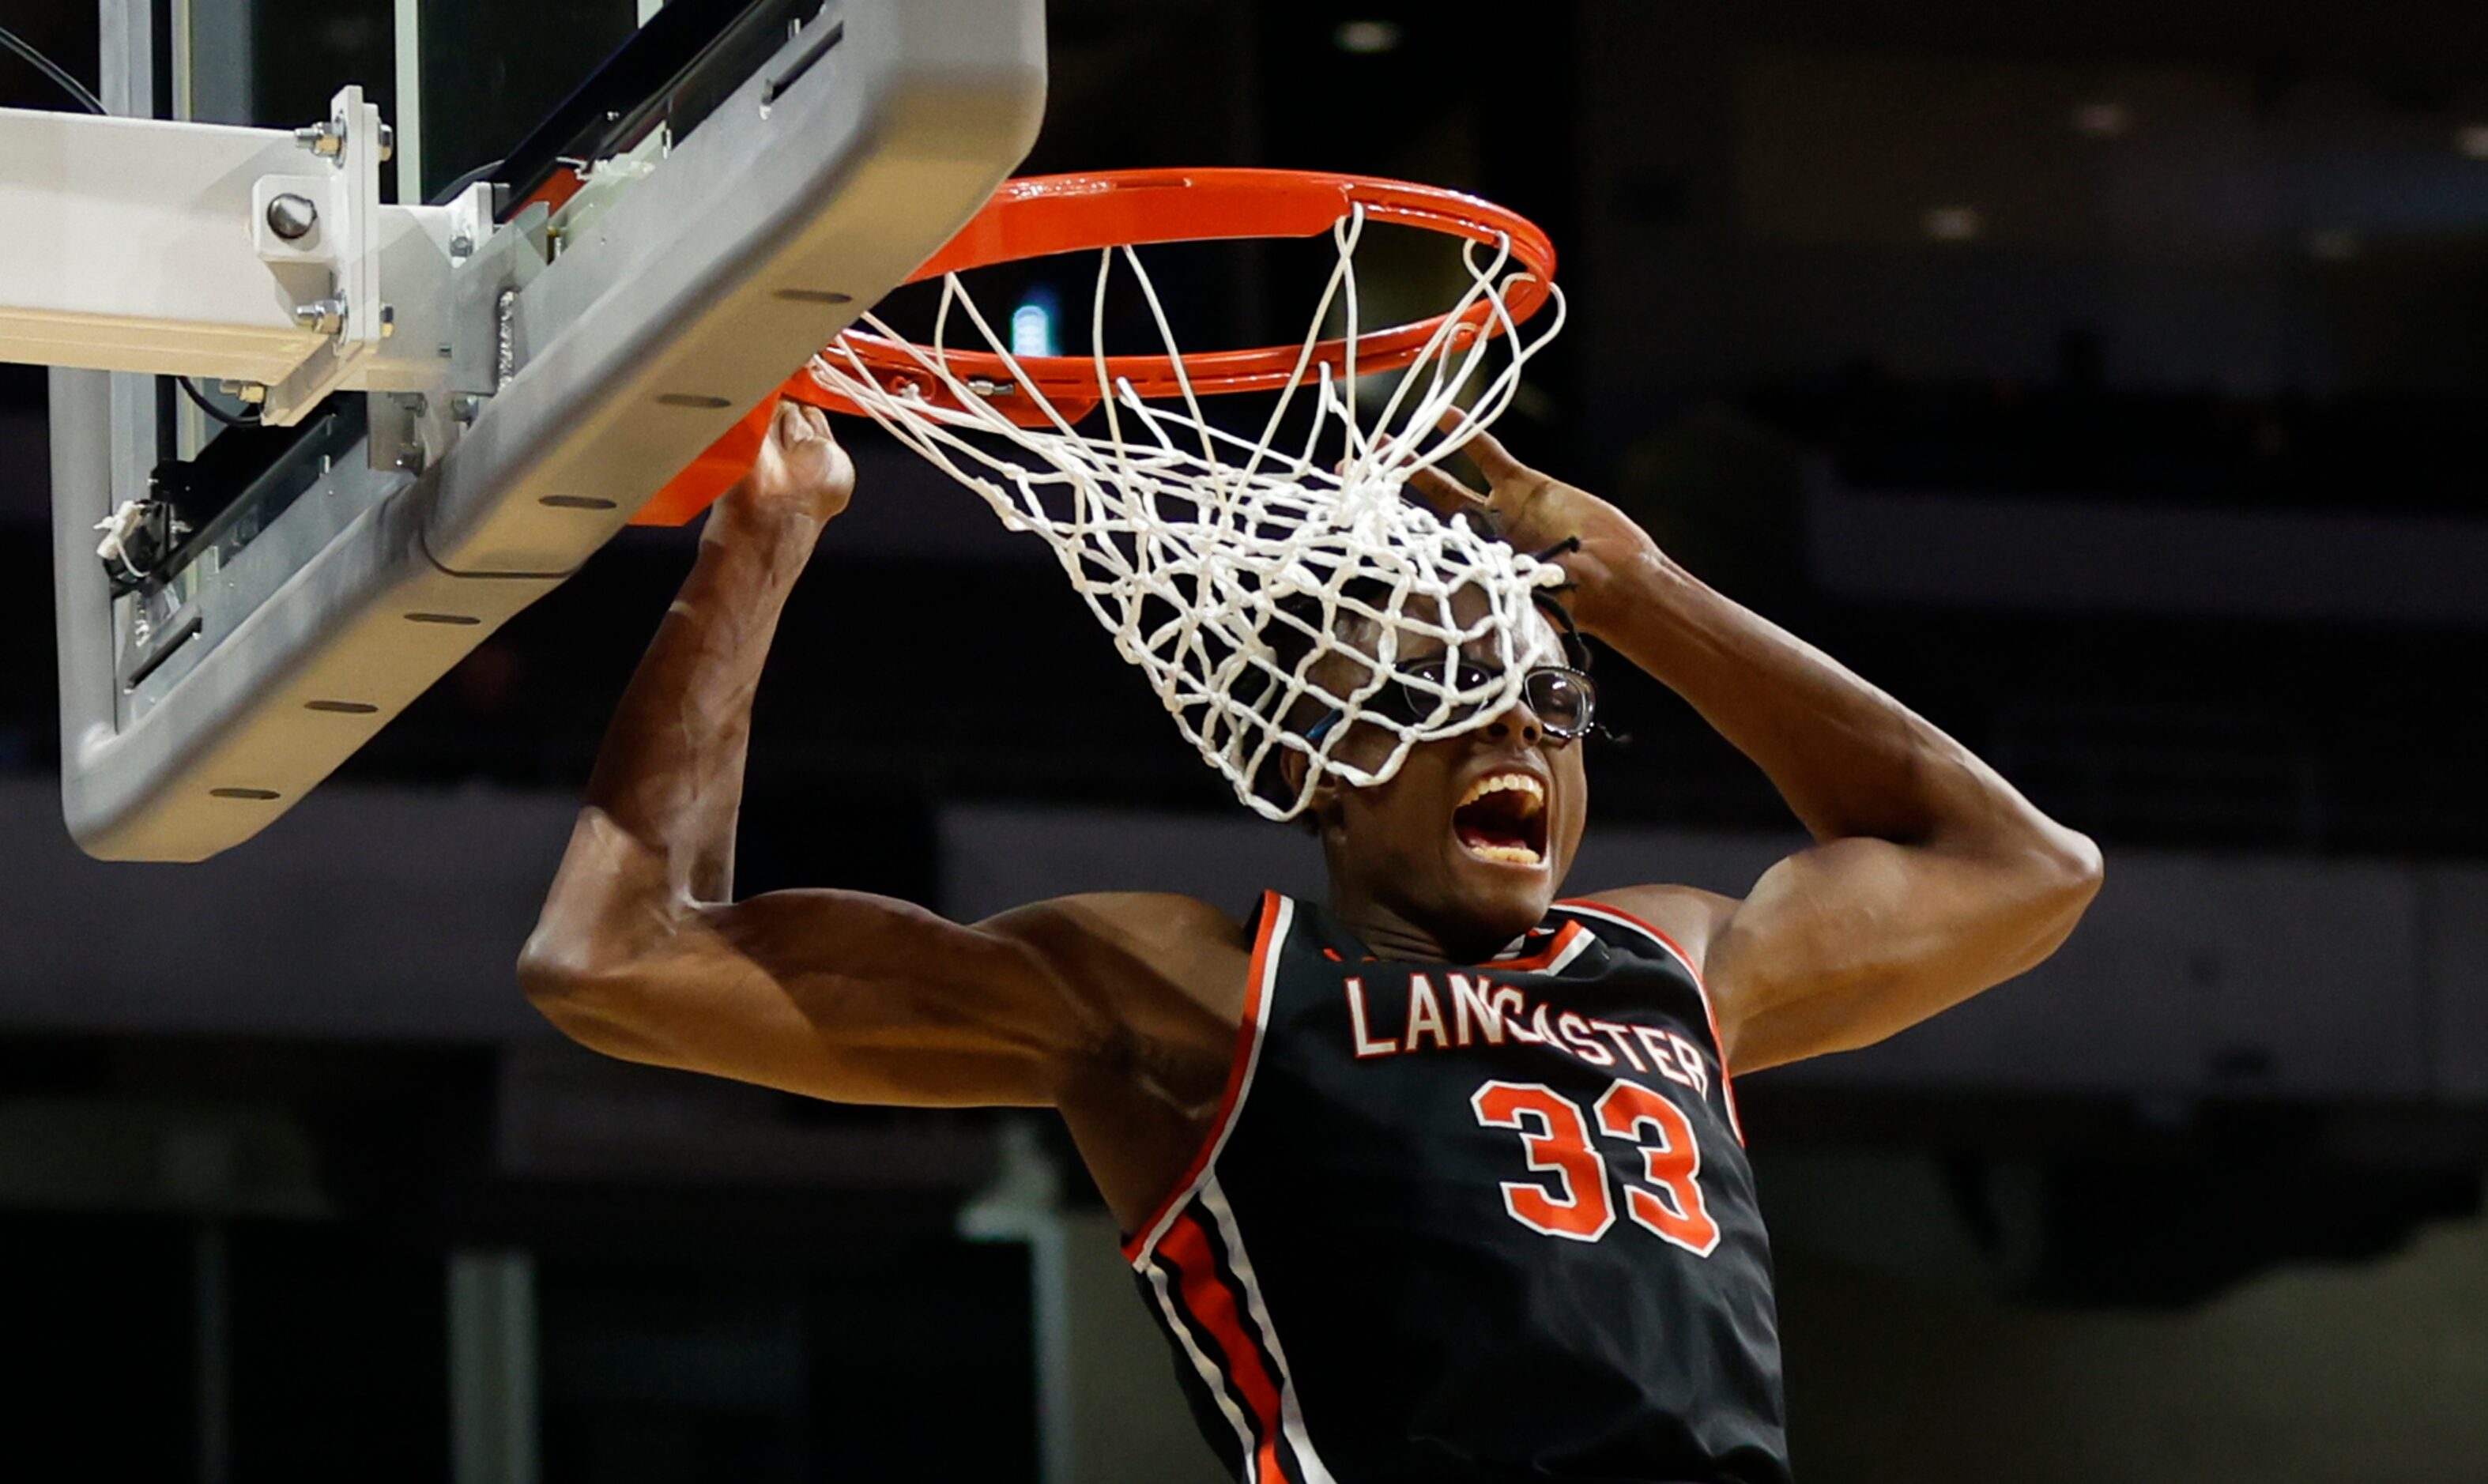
1487, 1222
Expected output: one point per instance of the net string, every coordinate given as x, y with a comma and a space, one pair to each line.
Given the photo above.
1207, 555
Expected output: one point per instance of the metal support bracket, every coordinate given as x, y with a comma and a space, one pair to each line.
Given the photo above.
524, 403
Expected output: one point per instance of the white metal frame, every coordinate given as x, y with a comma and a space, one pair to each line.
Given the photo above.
840, 165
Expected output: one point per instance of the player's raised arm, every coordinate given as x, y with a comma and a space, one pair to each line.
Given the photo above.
642, 951
1931, 878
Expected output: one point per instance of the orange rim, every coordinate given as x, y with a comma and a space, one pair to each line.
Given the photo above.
1039, 215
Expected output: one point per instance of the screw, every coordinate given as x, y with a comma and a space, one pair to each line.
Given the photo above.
326, 316
465, 406
462, 246
388, 143
292, 216
248, 391
388, 320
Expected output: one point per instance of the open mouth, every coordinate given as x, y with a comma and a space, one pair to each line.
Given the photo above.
1503, 818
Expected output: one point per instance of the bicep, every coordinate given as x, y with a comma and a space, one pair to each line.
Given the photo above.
1852, 940
840, 996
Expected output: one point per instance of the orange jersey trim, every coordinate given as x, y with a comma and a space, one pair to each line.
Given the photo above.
1555, 949
1214, 1306
1277, 914
1720, 1047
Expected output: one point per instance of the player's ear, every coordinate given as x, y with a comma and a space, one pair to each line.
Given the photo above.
1291, 769
1324, 798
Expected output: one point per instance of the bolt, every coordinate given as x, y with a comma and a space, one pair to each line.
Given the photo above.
388, 320
388, 143
465, 406
321, 138
326, 316
462, 246
292, 216
248, 391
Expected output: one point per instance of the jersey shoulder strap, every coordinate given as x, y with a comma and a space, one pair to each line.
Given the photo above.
1625, 932
1271, 923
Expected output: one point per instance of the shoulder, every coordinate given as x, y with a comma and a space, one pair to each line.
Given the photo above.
1151, 922
1159, 979
1132, 949
1688, 917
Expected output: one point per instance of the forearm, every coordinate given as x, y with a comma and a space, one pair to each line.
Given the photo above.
670, 777
1849, 758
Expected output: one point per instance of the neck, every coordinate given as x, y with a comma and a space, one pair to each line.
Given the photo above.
1393, 934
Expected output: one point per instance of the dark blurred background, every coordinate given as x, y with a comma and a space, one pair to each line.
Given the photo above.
2104, 382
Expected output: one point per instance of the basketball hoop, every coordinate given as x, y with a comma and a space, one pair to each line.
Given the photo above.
1041, 216
1038, 216
1258, 587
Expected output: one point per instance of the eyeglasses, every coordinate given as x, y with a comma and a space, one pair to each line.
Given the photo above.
1564, 700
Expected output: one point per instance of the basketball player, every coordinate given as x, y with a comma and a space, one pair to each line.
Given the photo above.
1439, 1178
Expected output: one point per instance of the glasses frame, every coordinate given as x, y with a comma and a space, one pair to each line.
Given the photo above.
1588, 695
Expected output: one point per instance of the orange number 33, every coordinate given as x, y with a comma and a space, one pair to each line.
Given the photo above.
1555, 1139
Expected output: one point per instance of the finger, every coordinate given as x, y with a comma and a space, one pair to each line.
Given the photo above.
786, 424
1442, 502
1483, 449
1428, 486
798, 425
1441, 493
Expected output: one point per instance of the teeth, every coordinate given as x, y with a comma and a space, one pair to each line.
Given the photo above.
1510, 854
1519, 783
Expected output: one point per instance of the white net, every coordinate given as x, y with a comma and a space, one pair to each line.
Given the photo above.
1268, 600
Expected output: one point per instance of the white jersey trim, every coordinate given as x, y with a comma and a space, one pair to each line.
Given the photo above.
1211, 1376
1292, 1416
1692, 972
1267, 990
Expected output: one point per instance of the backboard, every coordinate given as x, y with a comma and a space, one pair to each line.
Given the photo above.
648, 215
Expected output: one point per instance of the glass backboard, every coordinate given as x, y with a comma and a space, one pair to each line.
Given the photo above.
604, 230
